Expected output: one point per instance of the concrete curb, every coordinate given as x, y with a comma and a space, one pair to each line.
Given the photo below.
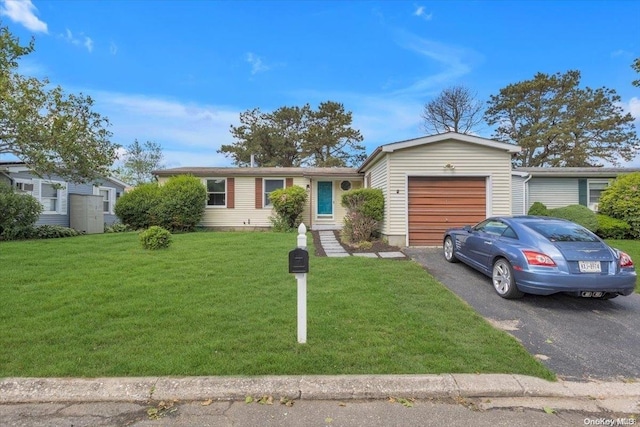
345, 387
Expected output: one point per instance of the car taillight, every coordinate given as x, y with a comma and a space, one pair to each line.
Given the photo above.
625, 260
537, 258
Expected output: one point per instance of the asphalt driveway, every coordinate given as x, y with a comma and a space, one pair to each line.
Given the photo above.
577, 338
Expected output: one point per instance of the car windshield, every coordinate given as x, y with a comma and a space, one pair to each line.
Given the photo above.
558, 232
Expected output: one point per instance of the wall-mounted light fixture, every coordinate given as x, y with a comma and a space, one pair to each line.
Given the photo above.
308, 187
449, 166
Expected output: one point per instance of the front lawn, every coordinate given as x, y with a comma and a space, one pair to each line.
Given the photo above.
632, 248
224, 304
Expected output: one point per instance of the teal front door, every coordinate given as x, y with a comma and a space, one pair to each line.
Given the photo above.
325, 198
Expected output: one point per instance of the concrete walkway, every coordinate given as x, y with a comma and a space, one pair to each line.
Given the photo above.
334, 249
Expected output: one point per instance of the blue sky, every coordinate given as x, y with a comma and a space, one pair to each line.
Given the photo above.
180, 72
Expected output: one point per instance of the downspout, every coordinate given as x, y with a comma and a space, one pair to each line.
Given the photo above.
525, 194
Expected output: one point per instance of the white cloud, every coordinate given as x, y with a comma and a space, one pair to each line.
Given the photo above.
23, 12
113, 48
86, 41
190, 134
420, 12
257, 65
454, 62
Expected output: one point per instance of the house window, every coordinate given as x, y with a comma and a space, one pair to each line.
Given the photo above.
217, 192
49, 197
108, 198
269, 186
594, 191
24, 187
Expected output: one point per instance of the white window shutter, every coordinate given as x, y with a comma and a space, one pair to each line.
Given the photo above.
62, 198
36, 188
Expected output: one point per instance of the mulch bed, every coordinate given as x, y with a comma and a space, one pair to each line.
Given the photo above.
378, 245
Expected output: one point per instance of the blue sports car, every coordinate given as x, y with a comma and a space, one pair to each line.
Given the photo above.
541, 255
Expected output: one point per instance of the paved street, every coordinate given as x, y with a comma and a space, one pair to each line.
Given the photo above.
578, 338
301, 414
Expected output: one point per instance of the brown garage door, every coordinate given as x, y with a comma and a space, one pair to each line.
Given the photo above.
436, 204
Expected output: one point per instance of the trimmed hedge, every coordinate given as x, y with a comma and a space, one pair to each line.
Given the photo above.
538, 209
288, 203
612, 228
178, 205
621, 200
155, 238
135, 208
577, 213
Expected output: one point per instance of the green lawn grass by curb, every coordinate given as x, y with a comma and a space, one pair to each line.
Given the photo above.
219, 303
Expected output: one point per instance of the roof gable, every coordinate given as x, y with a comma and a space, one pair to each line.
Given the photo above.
441, 137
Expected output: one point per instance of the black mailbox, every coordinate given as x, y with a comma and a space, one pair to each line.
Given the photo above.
299, 261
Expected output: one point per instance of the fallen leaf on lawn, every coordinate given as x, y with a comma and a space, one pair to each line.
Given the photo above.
207, 402
549, 410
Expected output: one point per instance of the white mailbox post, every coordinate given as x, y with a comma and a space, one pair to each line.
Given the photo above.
302, 289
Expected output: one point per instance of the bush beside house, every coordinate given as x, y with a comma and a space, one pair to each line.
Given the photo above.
621, 200
365, 211
288, 204
177, 205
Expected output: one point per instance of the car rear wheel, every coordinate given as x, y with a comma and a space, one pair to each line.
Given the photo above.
503, 280
449, 250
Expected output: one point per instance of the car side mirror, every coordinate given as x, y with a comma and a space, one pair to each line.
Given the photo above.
467, 228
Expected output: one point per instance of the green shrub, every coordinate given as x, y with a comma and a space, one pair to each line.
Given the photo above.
612, 228
134, 208
577, 213
365, 210
18, 213
539, 209
116, 227
621, 200
155, 237
54, 232
182, 203
288, 203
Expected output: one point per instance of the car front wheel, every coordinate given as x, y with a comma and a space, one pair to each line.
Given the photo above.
503, 280
449, 250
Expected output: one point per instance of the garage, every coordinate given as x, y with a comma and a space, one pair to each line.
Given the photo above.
438, 203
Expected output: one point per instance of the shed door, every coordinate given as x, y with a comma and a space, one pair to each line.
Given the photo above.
436, 204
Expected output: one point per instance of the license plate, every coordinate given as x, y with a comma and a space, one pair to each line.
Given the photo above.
589, 266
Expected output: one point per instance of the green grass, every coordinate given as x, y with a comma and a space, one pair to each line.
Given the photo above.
224, 304
632, 248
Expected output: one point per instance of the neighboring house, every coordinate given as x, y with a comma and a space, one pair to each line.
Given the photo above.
66, 203
557, 187
429, 184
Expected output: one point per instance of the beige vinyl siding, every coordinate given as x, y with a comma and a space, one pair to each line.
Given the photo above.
338, 210
517, 195
553, 192
379, 179
244, 213
429, 160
